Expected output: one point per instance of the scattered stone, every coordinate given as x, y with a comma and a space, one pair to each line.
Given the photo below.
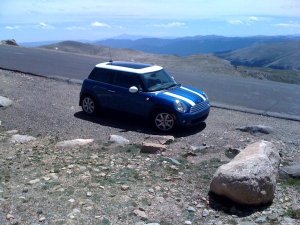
42, 218
72, 200
34, 181
292, 170
256, 129
261, 219
119, 140
163, 140
140, 214
74, 143
191, 209
187, 222
152, 224
124, 188
153, 148
273, 217
250, 178
9, 216
5, 102
171, 160
205, 213
89, 194
21, 139
12, 132
199, 149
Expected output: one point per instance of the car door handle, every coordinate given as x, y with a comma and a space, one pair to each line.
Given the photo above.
111, 91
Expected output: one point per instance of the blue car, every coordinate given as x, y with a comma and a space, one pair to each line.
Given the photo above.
145, 90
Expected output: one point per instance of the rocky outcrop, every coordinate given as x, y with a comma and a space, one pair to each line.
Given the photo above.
9, 42
250, 178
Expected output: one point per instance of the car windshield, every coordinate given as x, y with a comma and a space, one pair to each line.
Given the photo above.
158, 80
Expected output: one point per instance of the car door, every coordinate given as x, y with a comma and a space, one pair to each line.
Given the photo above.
102, 88
137, 103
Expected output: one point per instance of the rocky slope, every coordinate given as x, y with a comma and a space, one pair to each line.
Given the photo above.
46, 182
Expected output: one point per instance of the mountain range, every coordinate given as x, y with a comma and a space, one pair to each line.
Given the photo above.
193, 45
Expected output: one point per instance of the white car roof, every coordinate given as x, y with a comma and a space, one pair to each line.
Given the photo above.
129, 67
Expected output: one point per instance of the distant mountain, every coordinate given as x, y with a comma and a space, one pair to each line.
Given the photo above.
198, 64
279, 55
193, 45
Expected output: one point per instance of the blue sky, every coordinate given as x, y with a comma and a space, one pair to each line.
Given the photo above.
43, 20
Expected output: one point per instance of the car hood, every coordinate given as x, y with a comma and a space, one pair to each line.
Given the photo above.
190, 96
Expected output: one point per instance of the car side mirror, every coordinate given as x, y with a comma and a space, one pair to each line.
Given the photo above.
133, 89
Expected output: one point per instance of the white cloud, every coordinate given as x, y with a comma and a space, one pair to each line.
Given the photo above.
12, 27
236, 22
245, 21
289, 25
253, 19
99, 24
170, 25
76, 28
45, 26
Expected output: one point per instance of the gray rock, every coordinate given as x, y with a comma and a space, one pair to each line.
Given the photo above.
250, 178
256, 129
140, 214
187, 222
171, 160
74, 143
191, 209
205, 213
199, 149
21, 139
261, 219
292, 170
117, 139
5, 102
152, 224
158, 139
152, 148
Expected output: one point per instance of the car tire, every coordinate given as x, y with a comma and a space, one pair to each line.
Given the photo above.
89, 105
164, 121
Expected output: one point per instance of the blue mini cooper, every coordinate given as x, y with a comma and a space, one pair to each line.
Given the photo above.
145, 90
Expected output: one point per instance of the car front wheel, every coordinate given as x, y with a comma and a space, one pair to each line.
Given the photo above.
88, 105
164, 121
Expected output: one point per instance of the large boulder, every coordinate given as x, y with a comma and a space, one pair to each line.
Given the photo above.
250, 177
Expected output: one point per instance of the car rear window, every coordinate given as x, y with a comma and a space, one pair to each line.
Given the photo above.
101, 75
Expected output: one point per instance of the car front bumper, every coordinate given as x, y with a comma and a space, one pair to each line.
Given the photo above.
192, 119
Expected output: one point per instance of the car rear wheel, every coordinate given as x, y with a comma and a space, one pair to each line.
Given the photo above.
164, 121
88, 105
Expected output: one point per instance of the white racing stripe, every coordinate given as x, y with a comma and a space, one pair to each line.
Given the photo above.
196, 93
181, 98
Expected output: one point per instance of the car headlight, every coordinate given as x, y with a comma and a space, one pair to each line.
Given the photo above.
180, 106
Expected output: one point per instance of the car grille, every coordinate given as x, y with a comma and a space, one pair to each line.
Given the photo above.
199, 107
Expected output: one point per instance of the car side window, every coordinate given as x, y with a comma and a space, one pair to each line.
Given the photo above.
127, 80
101, 75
